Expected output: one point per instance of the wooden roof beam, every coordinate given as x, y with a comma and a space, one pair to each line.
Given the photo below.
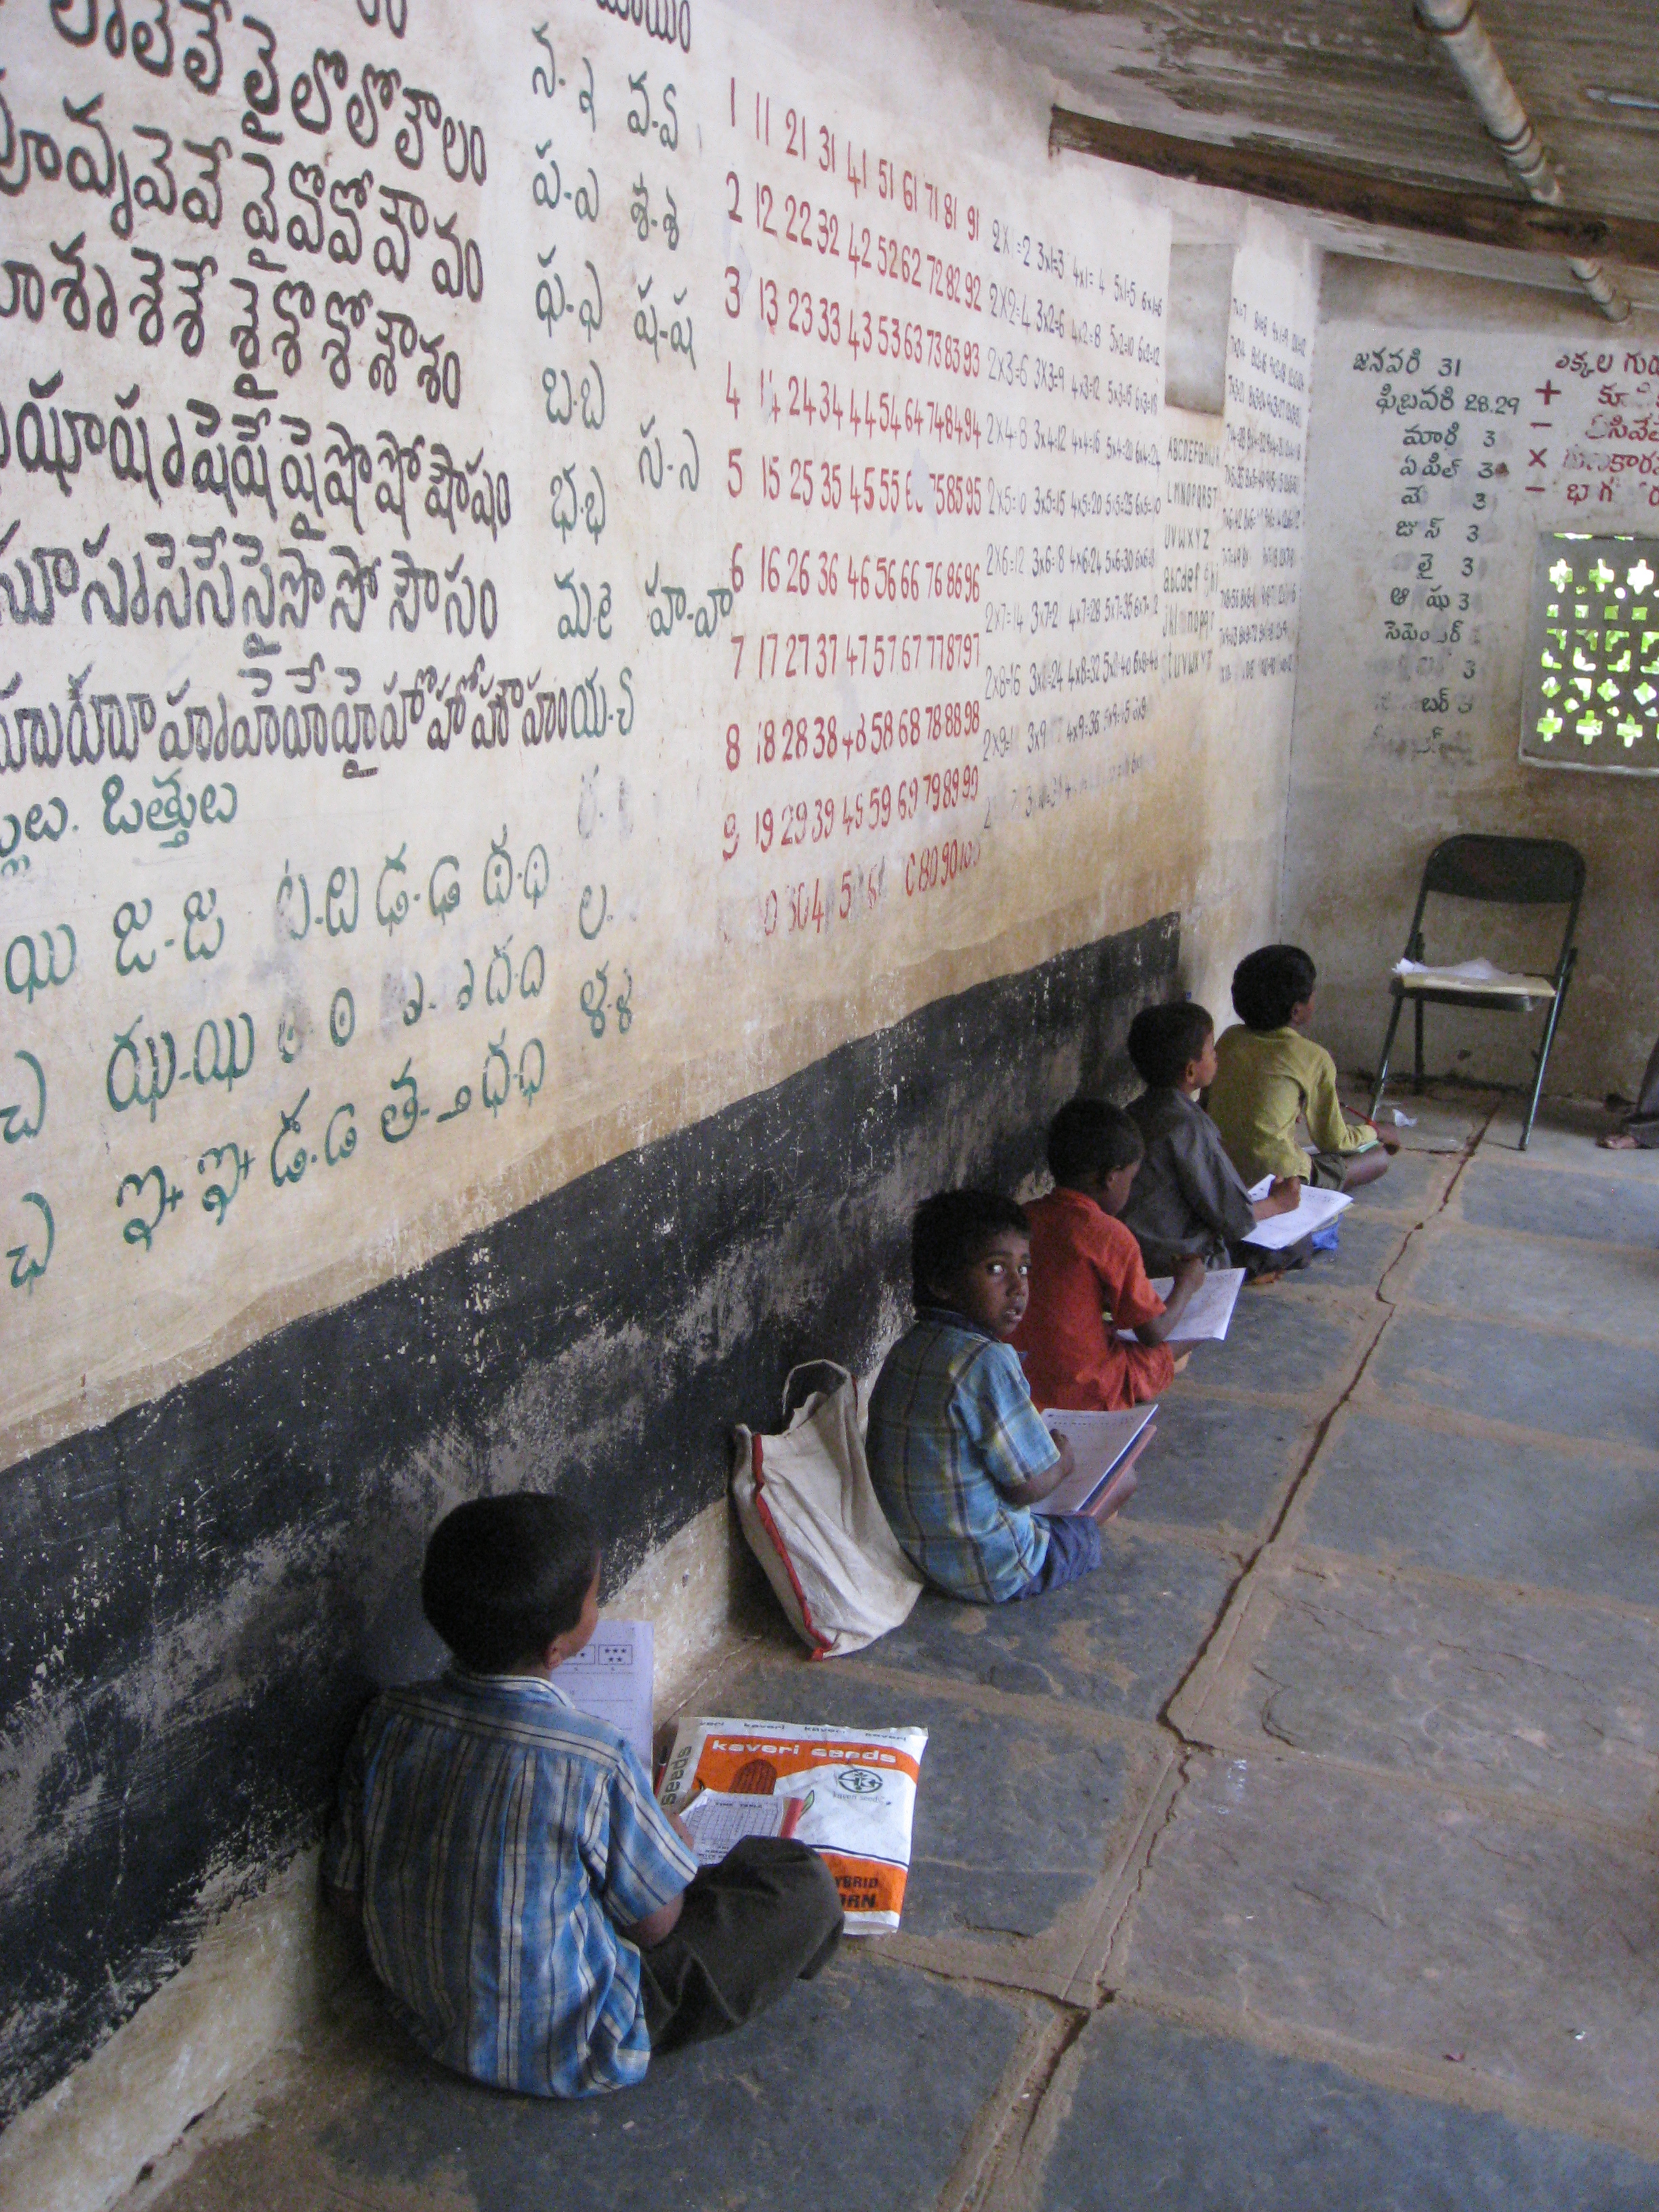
1293, 179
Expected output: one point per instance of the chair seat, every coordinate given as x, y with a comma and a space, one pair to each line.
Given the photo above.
1446, 986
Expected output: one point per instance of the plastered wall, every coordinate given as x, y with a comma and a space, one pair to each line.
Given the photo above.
1453, 424
610, 666
433, 765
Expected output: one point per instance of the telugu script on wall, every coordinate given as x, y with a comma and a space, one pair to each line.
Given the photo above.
519, 553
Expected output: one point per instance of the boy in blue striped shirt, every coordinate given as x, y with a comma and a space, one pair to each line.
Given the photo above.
959, 1454
540, 1922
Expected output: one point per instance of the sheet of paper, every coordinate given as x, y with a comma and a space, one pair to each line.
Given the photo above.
611, 1678
1207, 1318
1315, 1209
1473, 975
1098, 1442
1465, 971
720, 1818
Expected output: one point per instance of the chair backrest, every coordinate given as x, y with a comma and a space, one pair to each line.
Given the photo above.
1509, 871
1518, 871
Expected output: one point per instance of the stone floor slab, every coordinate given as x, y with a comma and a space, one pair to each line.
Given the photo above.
1117, 1642
1367, 1247
1443, 1119
1019, 1811
1401, 1920
1217, 1465
1552, 1701
1415, 1184
1543, 1282
1297, 1336
1157, 2114
1539, 1512
1564, 1135
1557, 1385
1605, 1206
798, 2109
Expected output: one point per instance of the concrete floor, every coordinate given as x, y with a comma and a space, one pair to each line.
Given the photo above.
1304, 1860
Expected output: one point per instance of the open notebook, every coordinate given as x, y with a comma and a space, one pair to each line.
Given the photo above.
1281, 1231
1209, 1311
1098, 1442
611, 1677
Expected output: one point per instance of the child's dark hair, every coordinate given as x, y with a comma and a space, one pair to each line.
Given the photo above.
1268, 983
1089, 1138
1164, 1040
504, 1575
949, 1230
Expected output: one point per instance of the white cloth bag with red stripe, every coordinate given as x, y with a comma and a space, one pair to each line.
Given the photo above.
812, 1520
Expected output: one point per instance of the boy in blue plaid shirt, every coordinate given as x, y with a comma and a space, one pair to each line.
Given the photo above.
959, 1455
540, 1922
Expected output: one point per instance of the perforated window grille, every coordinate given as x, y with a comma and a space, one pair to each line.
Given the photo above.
1591, 695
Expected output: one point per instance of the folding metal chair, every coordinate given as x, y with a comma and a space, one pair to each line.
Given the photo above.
1498, 871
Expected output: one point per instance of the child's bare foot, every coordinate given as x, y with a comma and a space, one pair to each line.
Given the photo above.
1266, 1279
1617, 1141
1181, 1363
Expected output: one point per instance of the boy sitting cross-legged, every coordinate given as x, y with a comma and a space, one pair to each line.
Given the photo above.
1188, 1199
540, 1922
957, 1453
1270, 1075
1087, 1278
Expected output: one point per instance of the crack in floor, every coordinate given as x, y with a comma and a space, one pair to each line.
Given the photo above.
1002, 2160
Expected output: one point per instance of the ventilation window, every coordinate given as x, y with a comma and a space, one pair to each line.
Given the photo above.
1591, 697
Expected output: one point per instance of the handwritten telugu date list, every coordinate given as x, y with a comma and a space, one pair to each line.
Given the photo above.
1569, 433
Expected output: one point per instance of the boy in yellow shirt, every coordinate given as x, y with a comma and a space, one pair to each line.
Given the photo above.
1270, 1074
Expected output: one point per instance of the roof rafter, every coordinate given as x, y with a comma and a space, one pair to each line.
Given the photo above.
1293, 179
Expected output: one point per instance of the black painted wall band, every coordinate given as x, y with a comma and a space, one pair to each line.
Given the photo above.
185, 1592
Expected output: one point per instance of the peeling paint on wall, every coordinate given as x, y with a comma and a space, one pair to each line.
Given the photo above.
190, 1591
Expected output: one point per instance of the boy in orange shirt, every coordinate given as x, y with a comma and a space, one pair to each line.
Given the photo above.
1087, 1278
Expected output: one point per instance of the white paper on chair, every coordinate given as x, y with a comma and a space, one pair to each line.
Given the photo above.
1467, 971
1473, 975
1098, 1442
1316, 1208
610, 1677
1209, 1312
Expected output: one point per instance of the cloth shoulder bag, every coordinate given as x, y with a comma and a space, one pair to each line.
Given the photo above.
811, 1518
